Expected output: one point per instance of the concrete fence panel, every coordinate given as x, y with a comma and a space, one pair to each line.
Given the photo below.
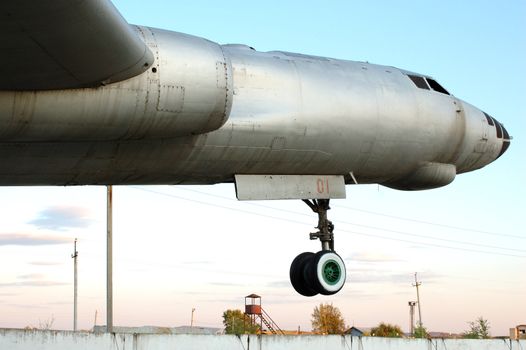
16, 339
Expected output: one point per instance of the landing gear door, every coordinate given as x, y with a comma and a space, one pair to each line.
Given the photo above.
265, 187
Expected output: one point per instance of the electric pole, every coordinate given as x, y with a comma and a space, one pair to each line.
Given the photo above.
109, 262
75, 256
417, 284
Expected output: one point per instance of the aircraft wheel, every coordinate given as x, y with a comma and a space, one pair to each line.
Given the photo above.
298, 273
325, 272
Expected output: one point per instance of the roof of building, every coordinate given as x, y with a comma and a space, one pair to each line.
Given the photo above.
253, 296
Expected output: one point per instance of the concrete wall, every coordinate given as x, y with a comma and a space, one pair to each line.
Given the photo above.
11, 339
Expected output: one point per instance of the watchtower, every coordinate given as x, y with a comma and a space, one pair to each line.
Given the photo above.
255, 312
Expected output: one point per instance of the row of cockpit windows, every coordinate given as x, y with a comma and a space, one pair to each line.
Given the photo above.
501, 131
427, 83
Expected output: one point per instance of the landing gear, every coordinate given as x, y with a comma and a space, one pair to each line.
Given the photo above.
298, 275
322, 272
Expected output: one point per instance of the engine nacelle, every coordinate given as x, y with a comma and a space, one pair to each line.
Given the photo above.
187, 91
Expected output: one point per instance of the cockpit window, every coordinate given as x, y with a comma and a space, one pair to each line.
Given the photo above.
427, 83
436, 86
419, 81
489, 119
499, 129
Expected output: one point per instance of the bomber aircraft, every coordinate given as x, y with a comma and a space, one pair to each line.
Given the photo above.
88, 99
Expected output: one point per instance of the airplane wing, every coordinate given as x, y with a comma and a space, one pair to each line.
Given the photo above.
60, 44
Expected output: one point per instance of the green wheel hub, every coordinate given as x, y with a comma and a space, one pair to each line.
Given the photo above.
331, 272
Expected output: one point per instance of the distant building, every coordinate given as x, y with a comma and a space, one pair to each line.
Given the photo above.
444, 335
355, 332
294, 332
518, 332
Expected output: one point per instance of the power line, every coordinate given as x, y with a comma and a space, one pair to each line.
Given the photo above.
373, 227
341, 230
220, 206
381, 214
432, 244
433, 223
370, 212
435, 238
184, 267
352, 232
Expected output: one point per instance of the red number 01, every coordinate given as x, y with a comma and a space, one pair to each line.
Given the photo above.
322, 185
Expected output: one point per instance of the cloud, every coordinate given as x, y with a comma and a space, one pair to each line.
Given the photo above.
197, 262
393, 278
373, 257
279, 284
31, 276
285, 300
62, 218
382, 278
226, 284
32, 280
361, 294
60, 303
228, 301
45, 263
33, 283
29, 306
28, 239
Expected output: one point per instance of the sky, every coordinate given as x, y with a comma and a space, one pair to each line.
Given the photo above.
183, 247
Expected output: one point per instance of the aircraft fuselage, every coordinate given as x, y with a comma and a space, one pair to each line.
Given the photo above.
205, 112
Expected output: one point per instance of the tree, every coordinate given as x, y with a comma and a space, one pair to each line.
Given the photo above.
387, 330
327, 319
420, 332
236, 322
478, 329
45, 325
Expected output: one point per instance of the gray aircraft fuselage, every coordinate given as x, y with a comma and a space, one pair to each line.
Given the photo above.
205, 112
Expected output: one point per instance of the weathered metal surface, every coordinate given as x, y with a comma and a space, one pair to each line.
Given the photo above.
57, 340
428, 175
205, 112
263, 187
253, 309
67, 44
188, 91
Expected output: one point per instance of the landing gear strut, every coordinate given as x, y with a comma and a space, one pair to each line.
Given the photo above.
322, 272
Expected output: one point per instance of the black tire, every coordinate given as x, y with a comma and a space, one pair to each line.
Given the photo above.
298, 275
325, 272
